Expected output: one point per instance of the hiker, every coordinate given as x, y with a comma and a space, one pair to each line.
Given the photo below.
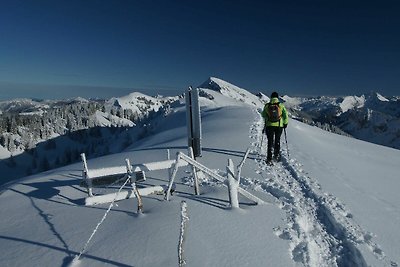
276, 119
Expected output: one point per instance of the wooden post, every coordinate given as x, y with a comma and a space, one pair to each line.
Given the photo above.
134, 188
194, 171
232, 185
85, 175
239, 168
172, 166
193, 120
182, 235
172, 177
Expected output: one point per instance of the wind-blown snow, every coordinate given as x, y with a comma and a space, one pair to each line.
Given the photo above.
332, 201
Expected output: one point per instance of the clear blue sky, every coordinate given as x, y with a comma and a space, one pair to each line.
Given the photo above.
295, 47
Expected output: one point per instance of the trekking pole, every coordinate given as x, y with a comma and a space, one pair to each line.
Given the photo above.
287, 147
262, 140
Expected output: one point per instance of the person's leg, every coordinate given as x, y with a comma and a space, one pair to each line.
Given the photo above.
270, 137
277, 143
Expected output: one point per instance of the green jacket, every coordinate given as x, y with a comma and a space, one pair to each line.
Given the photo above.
284, 118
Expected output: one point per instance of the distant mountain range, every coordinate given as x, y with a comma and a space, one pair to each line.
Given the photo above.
37, 135
370, 117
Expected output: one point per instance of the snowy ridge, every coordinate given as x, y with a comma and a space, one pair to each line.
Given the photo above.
138, 103
26, 105
23, 105
231, 91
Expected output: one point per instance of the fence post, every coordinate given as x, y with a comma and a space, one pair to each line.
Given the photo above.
182, 235
172, 176
193, 120
134, 188
232, 185
85, 175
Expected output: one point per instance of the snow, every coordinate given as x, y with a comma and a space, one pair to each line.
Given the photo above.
106, 119
22, 105
332, 201
350, 102
382, 98
231, 91
291, 101
138, 101
370, 117
4, 153
360, 174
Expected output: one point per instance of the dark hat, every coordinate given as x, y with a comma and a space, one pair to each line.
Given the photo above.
274, 94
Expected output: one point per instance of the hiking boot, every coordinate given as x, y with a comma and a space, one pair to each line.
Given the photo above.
277, 157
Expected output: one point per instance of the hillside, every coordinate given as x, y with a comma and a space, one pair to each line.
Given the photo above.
37, 135
326, 204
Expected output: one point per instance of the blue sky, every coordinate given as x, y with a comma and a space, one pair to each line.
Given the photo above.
68, 48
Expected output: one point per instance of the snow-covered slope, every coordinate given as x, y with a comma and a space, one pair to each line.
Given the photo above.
231, 91
332, 201
138, 103
50, 133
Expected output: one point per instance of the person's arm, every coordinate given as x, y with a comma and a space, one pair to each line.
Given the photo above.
265, 117
285, 117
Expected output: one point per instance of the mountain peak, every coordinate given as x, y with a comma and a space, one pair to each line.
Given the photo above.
217, 84
378, 96
231, 90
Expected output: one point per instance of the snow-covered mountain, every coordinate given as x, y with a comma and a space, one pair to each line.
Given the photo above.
231, 91
32, 130
370, 117
36, 135
78, 124
328, 203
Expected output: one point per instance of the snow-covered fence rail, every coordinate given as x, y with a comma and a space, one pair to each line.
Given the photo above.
180, 158
89, 175
128, 170
125, 194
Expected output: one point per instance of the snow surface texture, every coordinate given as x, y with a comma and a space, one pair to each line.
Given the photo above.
332, 201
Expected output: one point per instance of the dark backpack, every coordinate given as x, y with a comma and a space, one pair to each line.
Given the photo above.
274, 112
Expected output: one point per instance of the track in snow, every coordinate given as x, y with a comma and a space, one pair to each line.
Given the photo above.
320, 230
